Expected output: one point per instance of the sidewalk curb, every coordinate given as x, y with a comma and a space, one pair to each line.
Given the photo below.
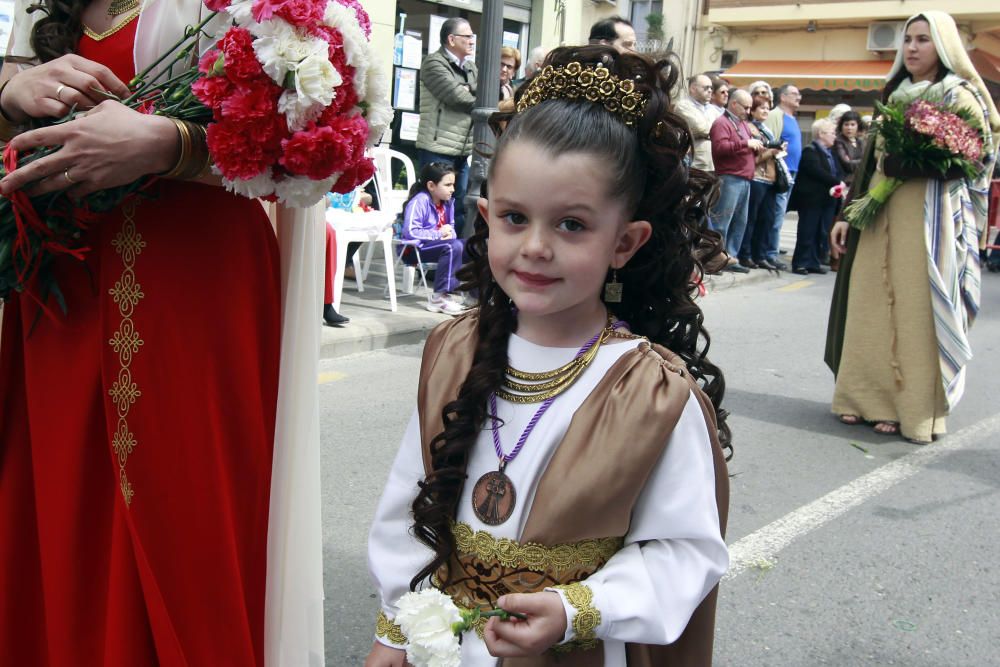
376, 328
377, 335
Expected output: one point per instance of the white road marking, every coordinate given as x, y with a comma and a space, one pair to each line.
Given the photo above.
762, 545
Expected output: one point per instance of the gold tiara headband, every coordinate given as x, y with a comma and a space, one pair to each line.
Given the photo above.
597, 84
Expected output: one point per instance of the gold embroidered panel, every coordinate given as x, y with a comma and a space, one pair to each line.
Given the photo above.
486, 567
126, 342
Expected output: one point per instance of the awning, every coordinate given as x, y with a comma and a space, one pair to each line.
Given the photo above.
811, 74
987, 64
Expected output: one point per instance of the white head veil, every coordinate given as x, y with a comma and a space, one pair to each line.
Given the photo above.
953, 56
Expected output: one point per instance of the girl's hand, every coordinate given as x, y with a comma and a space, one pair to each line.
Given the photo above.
546, 625
838, 237
386, 656
51, 89
447, 232
109, 146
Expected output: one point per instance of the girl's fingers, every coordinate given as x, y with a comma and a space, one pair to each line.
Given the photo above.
497, 643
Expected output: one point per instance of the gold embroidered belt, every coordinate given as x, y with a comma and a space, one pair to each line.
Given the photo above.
485, 567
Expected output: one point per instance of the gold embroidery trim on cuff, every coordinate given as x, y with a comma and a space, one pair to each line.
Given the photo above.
386, 629
533, 556
588, 617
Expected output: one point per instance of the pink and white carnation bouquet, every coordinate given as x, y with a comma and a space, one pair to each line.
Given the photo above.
295, 98
291, 99
923, 138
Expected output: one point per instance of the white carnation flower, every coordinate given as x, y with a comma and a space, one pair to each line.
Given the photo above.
301, 192
280, 48
356, 46
298, 110
316, 78
426, 618
379, 113
258, 186
241, 11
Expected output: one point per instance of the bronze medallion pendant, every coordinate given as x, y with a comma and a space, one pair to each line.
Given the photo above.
493, 497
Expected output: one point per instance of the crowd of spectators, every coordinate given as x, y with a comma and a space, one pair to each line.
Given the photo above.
751, 140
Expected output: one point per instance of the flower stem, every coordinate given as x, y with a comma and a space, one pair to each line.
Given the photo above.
188, 34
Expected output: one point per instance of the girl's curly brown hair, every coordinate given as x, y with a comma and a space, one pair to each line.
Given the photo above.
647, 170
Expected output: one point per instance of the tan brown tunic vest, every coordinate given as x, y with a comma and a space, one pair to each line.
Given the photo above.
611, 446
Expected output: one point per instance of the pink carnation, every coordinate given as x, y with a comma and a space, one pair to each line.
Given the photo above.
302, 13
217, 5
335, 45
319, 151
358, 173
236, 154
212, 91
241, 62
945, 129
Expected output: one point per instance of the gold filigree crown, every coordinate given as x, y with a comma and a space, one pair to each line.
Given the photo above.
595, 84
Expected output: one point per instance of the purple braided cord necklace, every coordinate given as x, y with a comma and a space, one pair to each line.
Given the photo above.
507, 458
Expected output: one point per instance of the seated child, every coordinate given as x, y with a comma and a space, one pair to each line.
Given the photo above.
429, 217
565, 458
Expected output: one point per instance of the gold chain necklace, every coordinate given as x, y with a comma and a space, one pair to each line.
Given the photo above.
118, 7
549, 384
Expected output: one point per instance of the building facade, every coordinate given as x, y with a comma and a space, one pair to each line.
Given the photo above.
833, 51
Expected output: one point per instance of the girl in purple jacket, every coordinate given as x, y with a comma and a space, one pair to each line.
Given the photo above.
429, 218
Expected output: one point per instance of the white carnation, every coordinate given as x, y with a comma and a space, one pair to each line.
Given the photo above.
258, 186
426, 619
241, 11
316, 78
356, 46
298, 110
379, 113
280, 48
301, 192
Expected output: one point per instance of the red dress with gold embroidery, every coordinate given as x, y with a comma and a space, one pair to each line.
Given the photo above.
136, 435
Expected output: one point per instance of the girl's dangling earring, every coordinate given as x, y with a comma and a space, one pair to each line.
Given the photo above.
613, 290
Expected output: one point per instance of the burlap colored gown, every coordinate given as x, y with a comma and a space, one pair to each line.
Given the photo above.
889, 368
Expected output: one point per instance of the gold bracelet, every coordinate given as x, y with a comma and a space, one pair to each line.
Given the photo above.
194, 158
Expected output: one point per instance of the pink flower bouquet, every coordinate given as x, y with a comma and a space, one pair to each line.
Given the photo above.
925, 139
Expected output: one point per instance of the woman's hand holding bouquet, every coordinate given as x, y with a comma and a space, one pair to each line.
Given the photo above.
290, 96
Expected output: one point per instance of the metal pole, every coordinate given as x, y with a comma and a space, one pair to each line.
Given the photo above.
488, 43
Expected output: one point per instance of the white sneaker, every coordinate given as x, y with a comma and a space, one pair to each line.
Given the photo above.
462, 299
440, 303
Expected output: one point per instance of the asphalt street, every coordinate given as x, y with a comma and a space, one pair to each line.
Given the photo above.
848, 547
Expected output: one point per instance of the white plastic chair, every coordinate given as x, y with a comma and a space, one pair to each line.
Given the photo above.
391, 200
372, 227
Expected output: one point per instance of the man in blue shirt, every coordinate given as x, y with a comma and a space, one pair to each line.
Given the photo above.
782, 123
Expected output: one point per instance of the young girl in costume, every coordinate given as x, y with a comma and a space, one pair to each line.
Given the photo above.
565, 458
429, 217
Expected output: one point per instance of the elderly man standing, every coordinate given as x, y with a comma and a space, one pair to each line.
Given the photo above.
696, 110
733, 153
447, 96
535, 59
782, 123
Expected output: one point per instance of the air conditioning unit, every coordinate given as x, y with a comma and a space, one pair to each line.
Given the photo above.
885, 35
605, 2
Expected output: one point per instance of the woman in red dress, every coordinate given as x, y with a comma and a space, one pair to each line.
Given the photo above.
136, 431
